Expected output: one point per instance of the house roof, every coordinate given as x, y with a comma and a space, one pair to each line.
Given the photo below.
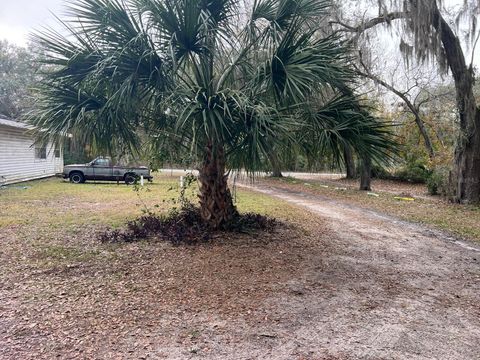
15, 124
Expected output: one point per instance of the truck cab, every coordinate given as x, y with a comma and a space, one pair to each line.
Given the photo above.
100, 168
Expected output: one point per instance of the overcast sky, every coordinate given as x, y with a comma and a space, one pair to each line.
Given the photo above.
18, 18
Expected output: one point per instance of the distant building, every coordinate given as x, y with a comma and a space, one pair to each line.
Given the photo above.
21, 159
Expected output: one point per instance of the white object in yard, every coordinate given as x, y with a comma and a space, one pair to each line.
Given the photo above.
21, 159
372, 194
181, 182
141, 180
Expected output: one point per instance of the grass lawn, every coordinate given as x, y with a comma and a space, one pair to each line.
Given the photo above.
63, 291
51, 216
460, 220
54, 202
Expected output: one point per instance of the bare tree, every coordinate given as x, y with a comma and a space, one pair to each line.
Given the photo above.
413, 89
428, 36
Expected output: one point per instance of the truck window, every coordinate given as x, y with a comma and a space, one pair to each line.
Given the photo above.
102, 162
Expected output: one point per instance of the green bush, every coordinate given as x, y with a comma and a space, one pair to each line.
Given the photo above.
433, 183
438, 183
414, 174
378, 172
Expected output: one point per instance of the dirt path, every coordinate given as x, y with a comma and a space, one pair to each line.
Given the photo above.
388, 186
402, 291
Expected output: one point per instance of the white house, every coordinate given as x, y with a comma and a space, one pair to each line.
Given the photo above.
21, 159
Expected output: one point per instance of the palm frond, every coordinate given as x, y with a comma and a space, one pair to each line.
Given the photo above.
341, 122
300, 66
181, 72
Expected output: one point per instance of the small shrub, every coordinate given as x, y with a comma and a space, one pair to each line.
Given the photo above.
415, 170
378, 172
182, 227
433, 183
414, 174
439, 182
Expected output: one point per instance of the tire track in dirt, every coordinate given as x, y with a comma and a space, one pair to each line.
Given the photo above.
401, 290
348, 213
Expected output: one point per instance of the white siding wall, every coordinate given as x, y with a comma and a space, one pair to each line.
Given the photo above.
17, 157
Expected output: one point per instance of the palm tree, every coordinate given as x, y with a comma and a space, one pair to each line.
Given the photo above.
220, 79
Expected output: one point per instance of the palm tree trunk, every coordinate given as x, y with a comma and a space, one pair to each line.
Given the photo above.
277, 173
349, 162
366, 175
275, 164
216, 204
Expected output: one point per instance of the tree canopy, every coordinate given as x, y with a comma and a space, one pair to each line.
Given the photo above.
17, 73
429, 36
184, 73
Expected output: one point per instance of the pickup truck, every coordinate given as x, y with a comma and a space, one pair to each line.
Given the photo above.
102, 169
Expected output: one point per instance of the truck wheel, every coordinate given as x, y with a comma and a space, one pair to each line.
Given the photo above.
77, 178
130, 179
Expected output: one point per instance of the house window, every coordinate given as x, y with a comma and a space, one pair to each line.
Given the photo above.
57, 150
41, 152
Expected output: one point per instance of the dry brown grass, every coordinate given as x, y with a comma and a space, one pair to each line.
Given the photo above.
66, 294
301, 292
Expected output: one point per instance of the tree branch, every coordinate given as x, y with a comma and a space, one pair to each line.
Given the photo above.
473, 50
462, 75
387, 18
415, 111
